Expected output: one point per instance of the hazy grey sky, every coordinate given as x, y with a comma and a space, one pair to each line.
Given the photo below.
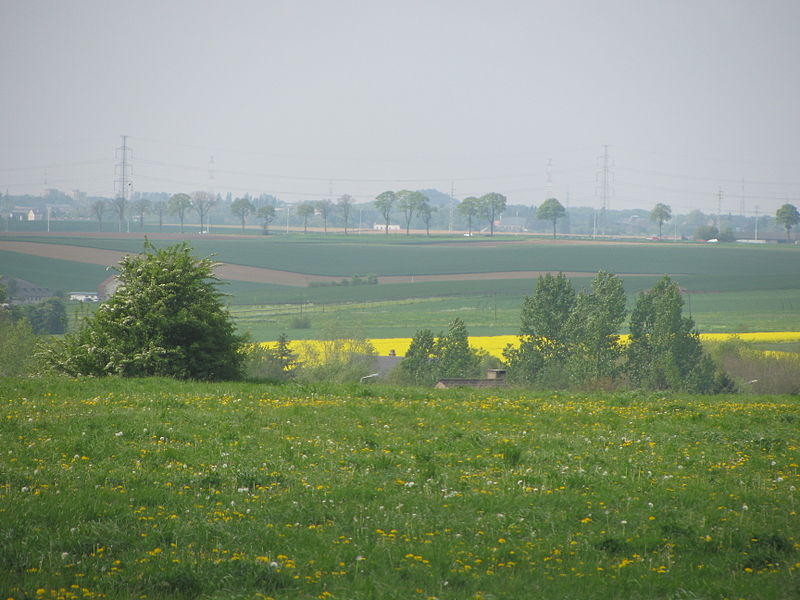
305, 99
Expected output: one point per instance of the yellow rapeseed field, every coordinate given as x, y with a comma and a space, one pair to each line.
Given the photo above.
495, 344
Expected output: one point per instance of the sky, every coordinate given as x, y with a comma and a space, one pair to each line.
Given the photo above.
693, 103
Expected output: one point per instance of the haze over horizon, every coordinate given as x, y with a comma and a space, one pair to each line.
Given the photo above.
308, 100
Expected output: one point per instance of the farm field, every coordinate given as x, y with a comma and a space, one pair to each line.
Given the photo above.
161, 489
497, 312
426, 282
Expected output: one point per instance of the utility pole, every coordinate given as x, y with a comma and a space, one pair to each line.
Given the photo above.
123, 181
719, 210
549, 173
605, 189
123, 153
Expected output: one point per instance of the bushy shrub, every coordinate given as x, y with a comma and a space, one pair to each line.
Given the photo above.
451, 356
165, 319
664, 351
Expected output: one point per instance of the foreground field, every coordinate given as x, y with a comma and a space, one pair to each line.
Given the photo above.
160, 489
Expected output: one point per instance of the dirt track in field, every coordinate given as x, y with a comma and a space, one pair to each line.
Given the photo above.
234, 272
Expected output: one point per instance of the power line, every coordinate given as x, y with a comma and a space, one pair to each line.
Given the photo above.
122, 182
605, 190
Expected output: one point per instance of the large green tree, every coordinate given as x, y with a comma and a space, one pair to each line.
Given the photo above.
469, 207
592, 330
429, 358
203, 202
266, 215
345, 204
178, 205
543, 346
242, 208
99, 208
305, 210
660, 214
409, 202
664, 350
425, 211
159, 208
420, 364
490, 206
324, 208
551, 210
165, 319
384, 203
788, 216
456, 357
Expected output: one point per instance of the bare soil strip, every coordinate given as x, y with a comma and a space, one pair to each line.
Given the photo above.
233, 272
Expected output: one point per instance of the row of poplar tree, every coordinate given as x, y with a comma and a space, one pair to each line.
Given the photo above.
570, 339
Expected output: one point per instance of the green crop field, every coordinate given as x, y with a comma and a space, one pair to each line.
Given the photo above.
729, 288
131, 489
54, 274
725, 266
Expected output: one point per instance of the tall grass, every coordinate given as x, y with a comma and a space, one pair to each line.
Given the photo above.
157, 489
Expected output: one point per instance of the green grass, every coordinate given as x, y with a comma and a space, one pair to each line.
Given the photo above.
159, 489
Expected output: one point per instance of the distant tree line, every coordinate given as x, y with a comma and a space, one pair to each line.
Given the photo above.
428, 209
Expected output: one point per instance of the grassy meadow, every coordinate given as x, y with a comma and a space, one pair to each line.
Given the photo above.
161, 489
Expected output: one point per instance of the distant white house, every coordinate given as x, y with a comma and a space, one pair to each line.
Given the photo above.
84, 296
26, 214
